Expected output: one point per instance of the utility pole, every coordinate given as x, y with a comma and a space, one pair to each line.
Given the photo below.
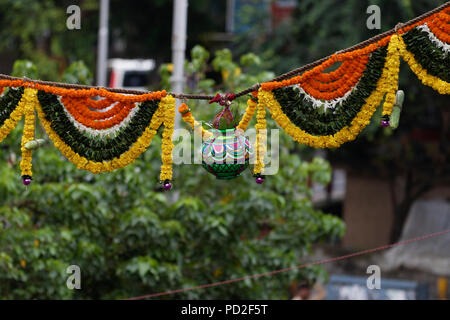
229, 27
179, 26
102, 48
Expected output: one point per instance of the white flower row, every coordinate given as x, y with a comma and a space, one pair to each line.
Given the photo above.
444, 46
327, 104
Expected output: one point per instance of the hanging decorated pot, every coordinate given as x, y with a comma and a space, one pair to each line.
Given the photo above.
226, 153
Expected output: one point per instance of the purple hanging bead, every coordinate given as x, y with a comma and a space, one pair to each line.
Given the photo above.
385, 123
167, 185
259, 180
26, 180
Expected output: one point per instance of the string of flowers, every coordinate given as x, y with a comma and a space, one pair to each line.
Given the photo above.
307, 113
28, 99
434, 82
338, 88
261, 135
431, 56
440, 27
392, 68
80, 108
97, 104
92, 119
107, 132
84, 93
123, 160
168, 114
348, 133
336, 74
14, 116
187, 117
342, 57
249, 112
436, 41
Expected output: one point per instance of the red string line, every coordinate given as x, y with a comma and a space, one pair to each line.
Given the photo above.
335, 259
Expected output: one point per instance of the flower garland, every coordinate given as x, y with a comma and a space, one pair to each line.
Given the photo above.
249, 112
102, 133
427, 79
351, 74
84, 93
28, 99
261, 135
347, 133
445, 47
187, 117
336, 74
431, 57
97, 120
317, 108
168, 115
355, 54
82, 112
341, 57
304, 113
439, 26
392, 69
91, 148
11, 111
125, 158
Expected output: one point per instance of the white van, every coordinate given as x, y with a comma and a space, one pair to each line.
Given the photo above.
130, 74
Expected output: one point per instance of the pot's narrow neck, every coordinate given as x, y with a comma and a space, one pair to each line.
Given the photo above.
223, 132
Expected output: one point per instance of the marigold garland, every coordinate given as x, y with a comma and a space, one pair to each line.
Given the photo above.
440, 29
14, 116
168, 115
350, 75
106, 166
81, 109
345, 56
95, 148
84, 93
336, 74
248, 115
187, 117
392, 68
261, 136
306, 112
437, 84
347, 133
317, 108
432, 56
97, 120
28, 99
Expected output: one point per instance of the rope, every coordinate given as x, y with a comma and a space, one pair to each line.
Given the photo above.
252, 88
302, 266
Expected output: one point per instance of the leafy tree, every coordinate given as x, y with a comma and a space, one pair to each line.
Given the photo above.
129, 238
37, 31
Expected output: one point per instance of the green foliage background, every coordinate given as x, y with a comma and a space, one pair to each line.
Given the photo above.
129, 238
